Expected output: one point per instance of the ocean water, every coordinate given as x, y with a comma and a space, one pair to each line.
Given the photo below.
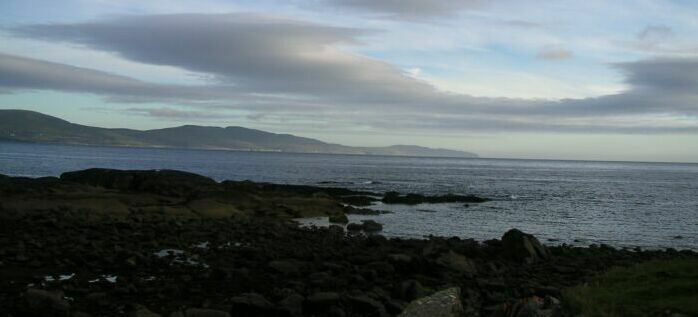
623, 204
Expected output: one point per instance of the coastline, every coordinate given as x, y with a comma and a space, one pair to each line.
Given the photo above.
249, 256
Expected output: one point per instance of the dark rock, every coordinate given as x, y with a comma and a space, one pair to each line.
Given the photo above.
322, 299
414, 199
363, 211
142, 311
250, 304
412, 289
354, 227
445, 303
457, 262
339, 218
371, 226
166, 182
523, 247
46, 303
358, 200
400, 258
201, 312
292, 304
290, 267
363, 305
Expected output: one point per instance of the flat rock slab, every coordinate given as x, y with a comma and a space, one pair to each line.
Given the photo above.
445, 303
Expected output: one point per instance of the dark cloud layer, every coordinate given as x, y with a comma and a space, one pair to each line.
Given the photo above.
255, 53
268, 65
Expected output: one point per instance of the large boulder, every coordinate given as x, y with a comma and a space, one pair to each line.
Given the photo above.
523, 247
445, 303
163, 182
363, 305
39, 302
251, 304
457, 262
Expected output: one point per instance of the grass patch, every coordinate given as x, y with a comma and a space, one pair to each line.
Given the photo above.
647, 289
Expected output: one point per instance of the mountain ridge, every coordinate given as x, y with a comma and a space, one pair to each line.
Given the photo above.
31, 126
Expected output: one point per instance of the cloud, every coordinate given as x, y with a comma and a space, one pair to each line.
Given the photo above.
25, 73
554, 53
282, 68
254, 53
405, 9
675, 75
655, 34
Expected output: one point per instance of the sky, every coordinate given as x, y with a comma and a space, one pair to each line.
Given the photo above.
587, 80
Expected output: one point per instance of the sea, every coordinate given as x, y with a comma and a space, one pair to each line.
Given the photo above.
621, 204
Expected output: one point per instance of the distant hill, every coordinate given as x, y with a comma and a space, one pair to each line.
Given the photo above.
30, 126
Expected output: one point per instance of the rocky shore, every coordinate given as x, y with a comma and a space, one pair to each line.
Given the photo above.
167, 243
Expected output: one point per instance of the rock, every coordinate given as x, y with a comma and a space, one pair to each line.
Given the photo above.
292, 304
289, 267
322, 299
445, 303
412, 289
528, 307
457, 262
414, 199
339, 218
142, 311
336, 230
165, 182
358, 200
46, 303
400, 258
354, 227
523, 247
250, 304
201, 312
363, 305
371, 226
363, 211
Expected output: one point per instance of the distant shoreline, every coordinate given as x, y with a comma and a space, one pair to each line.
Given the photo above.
2, 139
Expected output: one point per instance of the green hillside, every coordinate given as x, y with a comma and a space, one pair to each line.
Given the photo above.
30, 126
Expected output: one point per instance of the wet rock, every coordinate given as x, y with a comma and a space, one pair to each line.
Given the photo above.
250, 304
363, 211
339, 218
412, 289
528, 307
45, 303
523, 247
142, 311
400, 258
354, 227
371, 226
166, 182
292, 304
457, 262
201, 312
363, 305
414, 199
289, 267
358, 200
336, 230
322, 299
445, 303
